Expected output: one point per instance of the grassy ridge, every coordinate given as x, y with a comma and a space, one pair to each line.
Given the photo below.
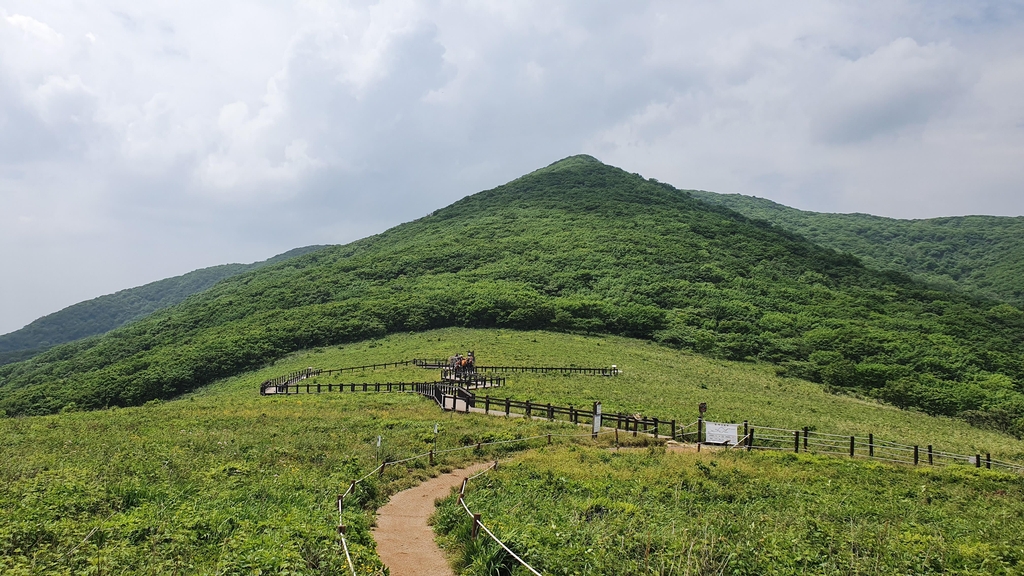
105, 313
593, 512
666, 383
223, 480
979, 254
580, 247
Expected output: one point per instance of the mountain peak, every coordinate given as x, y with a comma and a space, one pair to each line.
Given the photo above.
569, 162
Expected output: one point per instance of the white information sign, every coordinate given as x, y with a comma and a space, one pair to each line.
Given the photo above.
718, 433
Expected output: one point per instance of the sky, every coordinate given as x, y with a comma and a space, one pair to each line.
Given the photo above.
141, 140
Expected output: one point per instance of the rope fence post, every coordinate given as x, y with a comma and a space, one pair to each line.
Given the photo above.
852, 441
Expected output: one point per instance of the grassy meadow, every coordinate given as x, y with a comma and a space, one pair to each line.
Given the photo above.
665, 383
223, 481
585, 511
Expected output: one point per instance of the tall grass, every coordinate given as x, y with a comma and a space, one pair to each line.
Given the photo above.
589, 511
225, 481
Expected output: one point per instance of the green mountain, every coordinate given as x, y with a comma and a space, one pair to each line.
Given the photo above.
980, 254
578, 246
105, 313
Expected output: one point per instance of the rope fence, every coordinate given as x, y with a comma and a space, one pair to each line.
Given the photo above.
853, 446
479, 525
379, 471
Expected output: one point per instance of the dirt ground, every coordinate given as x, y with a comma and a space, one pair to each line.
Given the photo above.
405, 542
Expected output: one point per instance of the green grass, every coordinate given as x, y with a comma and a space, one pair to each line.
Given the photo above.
581, 511
665, 383
222, 481
225, 481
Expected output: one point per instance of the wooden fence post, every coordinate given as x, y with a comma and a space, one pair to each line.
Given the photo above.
476, 526
796, 441
746, 428
382, 465
655, 428
528, 410
806, 432
508, 406
915, 455
549, 439
988, 460
930, 463
487, 404
673, 427
871, 445
750, 440
851, 446
977, 460
700, 428
431, 456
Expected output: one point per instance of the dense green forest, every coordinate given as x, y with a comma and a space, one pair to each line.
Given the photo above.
980, 254
105, 313
578, 246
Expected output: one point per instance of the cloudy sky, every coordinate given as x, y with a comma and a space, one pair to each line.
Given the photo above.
140, 140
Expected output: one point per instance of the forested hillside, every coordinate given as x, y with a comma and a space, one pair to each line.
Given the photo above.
105, 313
980, 254
577, 246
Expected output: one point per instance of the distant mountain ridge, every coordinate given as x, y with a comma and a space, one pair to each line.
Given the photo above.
983, 255
577, 246
105, 313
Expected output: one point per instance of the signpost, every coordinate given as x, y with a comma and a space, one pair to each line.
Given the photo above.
597, 418
720, 433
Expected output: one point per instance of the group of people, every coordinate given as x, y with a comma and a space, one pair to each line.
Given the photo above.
460, 362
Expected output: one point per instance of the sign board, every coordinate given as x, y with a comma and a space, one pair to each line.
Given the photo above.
597, 417
718, 433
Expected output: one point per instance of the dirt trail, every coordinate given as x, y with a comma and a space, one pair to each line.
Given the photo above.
405, 543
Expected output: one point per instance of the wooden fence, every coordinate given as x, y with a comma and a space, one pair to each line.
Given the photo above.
443, 364
286, 381
456, 394
853, 446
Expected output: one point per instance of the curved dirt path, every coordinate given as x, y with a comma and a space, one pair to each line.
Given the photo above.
405, 543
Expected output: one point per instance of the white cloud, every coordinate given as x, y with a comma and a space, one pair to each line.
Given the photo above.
186, 130
900, 84
35, 28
